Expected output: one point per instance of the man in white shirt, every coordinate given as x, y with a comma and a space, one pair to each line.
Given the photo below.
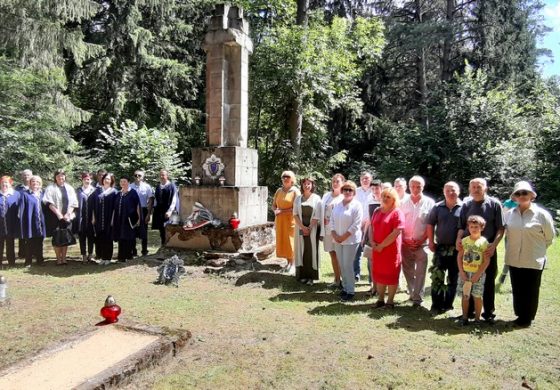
414, 256
400, 186
363, 195
146, 195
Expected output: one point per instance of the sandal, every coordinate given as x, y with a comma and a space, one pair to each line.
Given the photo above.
378, 304
389, 306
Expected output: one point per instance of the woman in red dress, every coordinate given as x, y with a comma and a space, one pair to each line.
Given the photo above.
387, 225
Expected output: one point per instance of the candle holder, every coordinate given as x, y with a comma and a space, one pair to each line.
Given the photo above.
222, 180
197, 180
234, 221
110, 311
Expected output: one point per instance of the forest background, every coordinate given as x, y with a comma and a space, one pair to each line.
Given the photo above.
448, 89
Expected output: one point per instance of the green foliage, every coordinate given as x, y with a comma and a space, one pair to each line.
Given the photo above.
152, 72
124, 148
318, 65
35, 118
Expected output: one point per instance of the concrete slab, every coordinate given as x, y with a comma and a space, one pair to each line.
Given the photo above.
99, 358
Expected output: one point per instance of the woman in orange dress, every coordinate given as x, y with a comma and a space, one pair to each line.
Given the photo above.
282, 205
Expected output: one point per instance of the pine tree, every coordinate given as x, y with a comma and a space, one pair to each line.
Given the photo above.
39, 39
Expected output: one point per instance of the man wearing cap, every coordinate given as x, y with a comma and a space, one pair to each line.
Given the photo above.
530, 231
414, 256
146, 195
442, 232
491, 210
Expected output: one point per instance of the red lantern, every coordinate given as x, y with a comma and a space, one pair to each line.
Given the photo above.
234, 221
110, 311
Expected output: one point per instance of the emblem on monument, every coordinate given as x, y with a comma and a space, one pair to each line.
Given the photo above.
213, 166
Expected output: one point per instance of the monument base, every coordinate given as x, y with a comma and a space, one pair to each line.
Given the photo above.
250, 239
250, 203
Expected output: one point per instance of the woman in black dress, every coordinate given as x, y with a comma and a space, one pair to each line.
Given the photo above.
103, 206
164, 203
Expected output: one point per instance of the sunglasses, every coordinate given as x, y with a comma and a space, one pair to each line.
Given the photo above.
347, 190
521, 193
286, 177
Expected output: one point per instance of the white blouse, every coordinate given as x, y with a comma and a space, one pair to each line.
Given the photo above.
528, 236
348, 218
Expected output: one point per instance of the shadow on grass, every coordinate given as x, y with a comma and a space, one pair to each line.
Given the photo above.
316, 293
414, 319
270, 280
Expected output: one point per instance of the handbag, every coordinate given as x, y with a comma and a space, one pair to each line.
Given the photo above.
63, 237
368, 251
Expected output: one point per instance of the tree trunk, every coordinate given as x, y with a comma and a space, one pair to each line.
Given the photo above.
446, 69
421, 87
295, 119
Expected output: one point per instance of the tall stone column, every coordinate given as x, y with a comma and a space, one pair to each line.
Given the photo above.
228, 47
225, 171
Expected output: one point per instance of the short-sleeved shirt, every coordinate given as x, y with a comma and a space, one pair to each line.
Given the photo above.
416, 216
445, 221
489, 209
473, 253
144, 191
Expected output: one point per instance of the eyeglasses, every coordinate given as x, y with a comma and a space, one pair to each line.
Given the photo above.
137, 175
347, 190
286, 177
521, 193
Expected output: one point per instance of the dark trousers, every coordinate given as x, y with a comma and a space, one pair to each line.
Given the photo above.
125, 250
34, 248
104, 249
9, 243
162, 236
445, 267
525, 286
357, 259
144, 228
489, 290
86, 242
21, 248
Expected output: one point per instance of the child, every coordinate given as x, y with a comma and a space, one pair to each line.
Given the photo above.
472, 263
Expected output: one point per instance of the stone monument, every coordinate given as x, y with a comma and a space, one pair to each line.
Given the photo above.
225, 172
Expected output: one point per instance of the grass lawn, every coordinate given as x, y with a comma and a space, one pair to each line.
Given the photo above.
265, 330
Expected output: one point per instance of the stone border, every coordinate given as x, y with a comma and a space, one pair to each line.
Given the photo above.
163, 349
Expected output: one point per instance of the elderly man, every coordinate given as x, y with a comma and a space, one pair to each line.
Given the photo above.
416, 209
400, 186
363, 194
146, 195
442, 233
491, 210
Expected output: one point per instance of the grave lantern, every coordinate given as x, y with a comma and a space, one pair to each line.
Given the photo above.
111, 310
234, 221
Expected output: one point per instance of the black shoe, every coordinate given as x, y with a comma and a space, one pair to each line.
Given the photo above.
518, 322
489, 319
347, 297
342, 293
464, 322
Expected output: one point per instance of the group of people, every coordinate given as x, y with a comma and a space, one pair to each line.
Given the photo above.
394, 230
97, 213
